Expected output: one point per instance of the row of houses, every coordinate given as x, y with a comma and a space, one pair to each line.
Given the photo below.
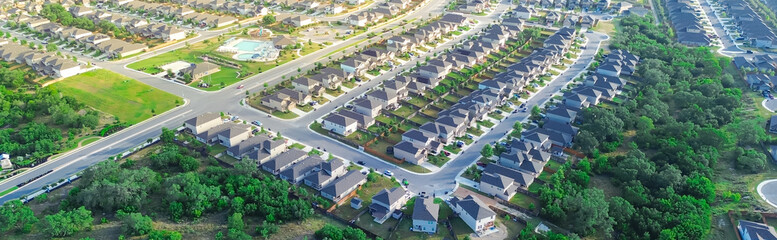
111, 47
366, 109
759, 71
388, 204
274, 156
9, 8
304, 88
137, 26
585, 5
175, 12
234, 7
749, 24
48, 64
526, 157
474, 6
686, 19
386, 10
453, 122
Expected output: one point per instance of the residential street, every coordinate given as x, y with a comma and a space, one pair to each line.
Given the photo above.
228, 100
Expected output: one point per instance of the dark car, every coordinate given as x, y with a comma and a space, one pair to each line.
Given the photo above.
750, 51
360, 162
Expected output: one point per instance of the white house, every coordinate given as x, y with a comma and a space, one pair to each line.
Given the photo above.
340, 124
425, 215
475, 213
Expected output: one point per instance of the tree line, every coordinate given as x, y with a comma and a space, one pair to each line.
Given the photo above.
21, 114
682, 116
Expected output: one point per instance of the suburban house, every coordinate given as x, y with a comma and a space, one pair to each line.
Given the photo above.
385, 99
284, 160
367, 107
523, 12
362, 121
561, 114
5, 162
387, 203
339, 124
411, 153
199, 70
298, 171
326, 173
755, 231
285, 99
308, 86
261, 143
503, 182
475, 213
227, 134
343, 186
425, 215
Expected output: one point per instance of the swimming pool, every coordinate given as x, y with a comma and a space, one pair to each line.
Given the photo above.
246, 56
250, 46
250, 50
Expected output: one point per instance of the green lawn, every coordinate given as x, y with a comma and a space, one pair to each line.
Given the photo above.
475, 131
535, 187
226, 75
129, 100
297, 146
419, 119
418, 101
403, 111
461, 228
525, 201
285, 115
8, 190
496, 116
487, 124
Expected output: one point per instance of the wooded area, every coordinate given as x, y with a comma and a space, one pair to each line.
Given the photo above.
681, 117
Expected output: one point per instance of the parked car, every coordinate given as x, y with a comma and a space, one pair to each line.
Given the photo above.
388, 173
749, 51
481, 164
257, 123
240, 87
446, 153
360, 162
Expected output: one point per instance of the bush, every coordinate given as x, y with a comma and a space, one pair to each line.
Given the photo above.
164, 235
135, 223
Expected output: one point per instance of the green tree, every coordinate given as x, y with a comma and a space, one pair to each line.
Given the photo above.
167, 135
268, 19
752, 161
589, 211
535, 113
164, 235
16, 216
135, 224
487, 151
66, 223
518, 126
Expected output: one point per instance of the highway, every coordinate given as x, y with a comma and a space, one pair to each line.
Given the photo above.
228, 100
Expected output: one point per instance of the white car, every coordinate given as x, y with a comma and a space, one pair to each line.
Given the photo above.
388, 173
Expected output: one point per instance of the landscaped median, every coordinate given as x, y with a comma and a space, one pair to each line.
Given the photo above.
127, 99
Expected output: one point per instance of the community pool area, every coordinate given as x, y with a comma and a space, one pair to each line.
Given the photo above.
250, 50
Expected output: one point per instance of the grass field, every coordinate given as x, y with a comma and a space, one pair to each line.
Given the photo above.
129, 100
227, 75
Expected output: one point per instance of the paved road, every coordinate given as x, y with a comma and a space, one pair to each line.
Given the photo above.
227, 100
198, 102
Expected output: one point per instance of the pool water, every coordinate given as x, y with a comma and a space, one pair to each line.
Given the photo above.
246, 56
250, 46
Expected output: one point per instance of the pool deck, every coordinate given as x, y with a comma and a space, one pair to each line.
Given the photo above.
261, 47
